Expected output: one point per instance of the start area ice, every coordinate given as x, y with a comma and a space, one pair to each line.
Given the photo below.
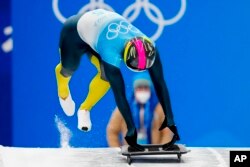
107, 157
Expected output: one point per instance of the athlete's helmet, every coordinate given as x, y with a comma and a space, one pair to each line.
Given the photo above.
139, 54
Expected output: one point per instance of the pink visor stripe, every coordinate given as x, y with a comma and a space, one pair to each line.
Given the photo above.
141, 54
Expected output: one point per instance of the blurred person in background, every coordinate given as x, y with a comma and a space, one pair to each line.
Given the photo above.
147, 114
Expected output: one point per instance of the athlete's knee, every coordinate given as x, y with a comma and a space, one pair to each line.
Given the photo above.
63, 71
67, 71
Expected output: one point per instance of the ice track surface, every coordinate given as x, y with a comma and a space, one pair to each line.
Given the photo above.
108, 157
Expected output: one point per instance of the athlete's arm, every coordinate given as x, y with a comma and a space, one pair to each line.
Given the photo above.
116, 81
156, 74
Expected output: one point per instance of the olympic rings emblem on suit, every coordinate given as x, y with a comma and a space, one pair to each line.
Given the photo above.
134, 9
123, 27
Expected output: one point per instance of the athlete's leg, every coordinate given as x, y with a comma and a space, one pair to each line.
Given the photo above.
97, 89
71, 51
63, 76
64, 70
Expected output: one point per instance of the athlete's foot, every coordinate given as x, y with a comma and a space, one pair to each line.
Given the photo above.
175, 138
84, 122
132, 142
68, 105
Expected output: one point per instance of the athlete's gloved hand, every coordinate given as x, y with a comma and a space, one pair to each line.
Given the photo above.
175, 138
132, 142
